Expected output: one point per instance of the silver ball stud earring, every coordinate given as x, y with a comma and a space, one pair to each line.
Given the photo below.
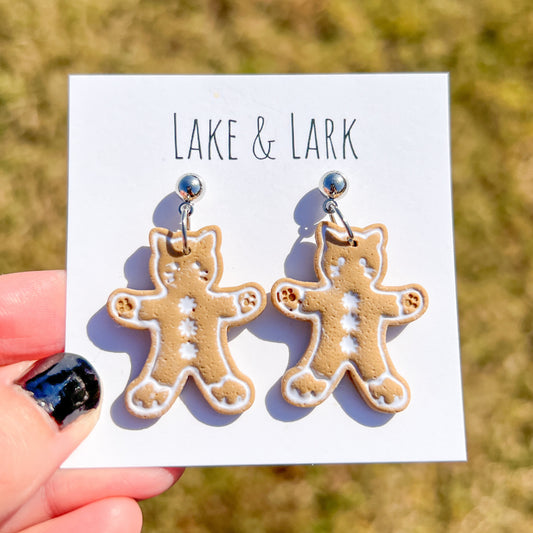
333, 185
190, 189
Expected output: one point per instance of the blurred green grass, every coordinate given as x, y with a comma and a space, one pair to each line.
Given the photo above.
487, 47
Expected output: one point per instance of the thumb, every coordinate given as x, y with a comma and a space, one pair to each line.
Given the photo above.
41, 297
44, 416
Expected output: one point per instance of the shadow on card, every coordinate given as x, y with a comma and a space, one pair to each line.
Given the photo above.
200, 409
109, 336
355, 407
299, 263
166, 213
272, 326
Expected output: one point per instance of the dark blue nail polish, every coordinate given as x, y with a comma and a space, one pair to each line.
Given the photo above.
64, 385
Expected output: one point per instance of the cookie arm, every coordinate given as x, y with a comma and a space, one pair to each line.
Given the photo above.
249, 300
410, 302
123, 305
295, 298
313, 300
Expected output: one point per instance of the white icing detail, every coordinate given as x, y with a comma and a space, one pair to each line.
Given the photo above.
187, 305
307, 398
170, 277
157, 388
399, 401
188, 351
188, 327
202, 274
349, 322
349, 345
350, 301
335, 270
369, 271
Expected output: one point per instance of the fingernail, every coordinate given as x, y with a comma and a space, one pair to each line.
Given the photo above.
64, 385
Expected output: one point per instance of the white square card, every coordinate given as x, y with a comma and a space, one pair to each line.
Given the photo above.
260, 145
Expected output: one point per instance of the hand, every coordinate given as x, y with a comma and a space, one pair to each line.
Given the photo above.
35, 496
289, 297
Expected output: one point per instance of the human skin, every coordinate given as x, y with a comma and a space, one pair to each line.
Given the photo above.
35, 496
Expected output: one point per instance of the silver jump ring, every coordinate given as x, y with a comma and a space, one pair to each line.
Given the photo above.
330, 206
186, 210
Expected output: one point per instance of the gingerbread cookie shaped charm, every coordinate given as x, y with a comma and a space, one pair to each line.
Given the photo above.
350, 311
188, 316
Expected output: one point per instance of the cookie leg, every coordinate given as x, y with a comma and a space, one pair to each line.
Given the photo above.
224, 387
303, 386
388, 392
232, 394
157, 387
147, 398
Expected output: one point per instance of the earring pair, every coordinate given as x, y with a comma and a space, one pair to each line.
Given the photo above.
188, 315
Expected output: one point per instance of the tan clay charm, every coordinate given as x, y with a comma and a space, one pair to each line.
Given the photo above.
188, 316
350, 311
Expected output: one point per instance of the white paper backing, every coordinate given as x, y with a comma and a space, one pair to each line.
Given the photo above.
122, 173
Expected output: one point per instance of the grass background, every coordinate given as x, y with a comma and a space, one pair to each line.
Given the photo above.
487, 47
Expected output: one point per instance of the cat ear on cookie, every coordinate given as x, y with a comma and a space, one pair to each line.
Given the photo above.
376, 234
158, 240
209, 239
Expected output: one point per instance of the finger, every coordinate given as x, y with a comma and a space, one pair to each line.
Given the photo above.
112, 515
41, 296
68, 490
38, 425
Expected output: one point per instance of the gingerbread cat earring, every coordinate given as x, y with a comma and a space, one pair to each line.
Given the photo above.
350, 311
188, 316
